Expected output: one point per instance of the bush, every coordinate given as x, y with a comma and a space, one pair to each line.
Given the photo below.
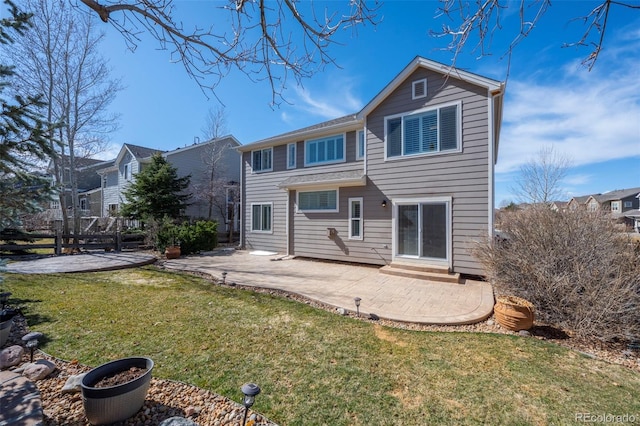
579, 271
192, 238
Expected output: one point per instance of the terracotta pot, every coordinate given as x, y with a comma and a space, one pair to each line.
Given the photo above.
172, 252
115, 403
514, 313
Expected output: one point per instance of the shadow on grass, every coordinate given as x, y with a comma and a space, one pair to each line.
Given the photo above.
549, 332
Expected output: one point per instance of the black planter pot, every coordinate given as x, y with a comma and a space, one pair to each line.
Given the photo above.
115, 403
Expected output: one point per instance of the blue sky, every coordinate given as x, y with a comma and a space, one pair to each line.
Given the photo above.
591, 117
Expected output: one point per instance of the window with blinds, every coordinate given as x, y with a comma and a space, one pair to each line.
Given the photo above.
319, 201
423, 132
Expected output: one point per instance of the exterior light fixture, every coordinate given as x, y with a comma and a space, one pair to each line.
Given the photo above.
4, 297
250, 390
31, 340
224, 277
384, 203
357, 300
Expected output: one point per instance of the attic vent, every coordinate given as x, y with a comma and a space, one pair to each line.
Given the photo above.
419, 89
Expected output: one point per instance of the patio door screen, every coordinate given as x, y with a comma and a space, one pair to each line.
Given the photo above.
422, 229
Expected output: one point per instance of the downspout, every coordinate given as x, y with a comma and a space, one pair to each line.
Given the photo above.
493, 131
242, 191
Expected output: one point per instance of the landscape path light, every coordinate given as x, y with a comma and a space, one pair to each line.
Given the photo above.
31, 340
357, 300
250, 390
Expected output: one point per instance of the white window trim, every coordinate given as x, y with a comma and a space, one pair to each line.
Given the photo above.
413, 89
426, 200
324, 163
262, 170
627, 204
351, 237
360, 155
126, 172
251, 215
336, 210
295, 154
420, 111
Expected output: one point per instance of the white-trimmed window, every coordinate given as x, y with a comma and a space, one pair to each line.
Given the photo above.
425, 131
628, 204
355, 218
291, 156
55, 204
83, 204
419, 89
318, 201
615, 206
127, 175
261, 217
261, 160
360, 148
324, 151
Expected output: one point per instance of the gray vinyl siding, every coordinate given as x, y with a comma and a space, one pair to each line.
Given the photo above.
262, 187
462, 176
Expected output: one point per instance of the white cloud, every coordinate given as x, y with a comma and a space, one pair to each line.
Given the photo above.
588, 116
335, 99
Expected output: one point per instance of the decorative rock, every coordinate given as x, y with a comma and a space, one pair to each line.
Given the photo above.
374, 317
341, 311
11, 356
524, 333
490, 322
39, 369
178, 421
72, 385
191, 410
36, 335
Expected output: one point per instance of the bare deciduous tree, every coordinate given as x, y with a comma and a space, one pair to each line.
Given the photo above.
267, 40
479, 20
215, 124
59, 57
540, 179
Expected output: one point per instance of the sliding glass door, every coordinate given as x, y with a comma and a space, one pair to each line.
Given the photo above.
422, 229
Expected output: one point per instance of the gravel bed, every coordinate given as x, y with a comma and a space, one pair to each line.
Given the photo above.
165, 399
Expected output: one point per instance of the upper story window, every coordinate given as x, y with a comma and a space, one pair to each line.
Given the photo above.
615, 206
360, 148
127, 172
291, 156
262, 160
55, 205
318, 201
593, 206
628, 204
324, 151
425, 131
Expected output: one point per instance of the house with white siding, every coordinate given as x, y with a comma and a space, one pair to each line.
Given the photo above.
408, 180
214, 162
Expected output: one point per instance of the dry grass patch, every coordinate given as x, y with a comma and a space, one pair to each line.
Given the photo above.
315, 367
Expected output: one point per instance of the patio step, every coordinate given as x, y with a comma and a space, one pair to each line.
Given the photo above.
428, 273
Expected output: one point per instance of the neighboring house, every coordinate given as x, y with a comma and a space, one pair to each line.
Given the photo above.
194, 160
617, 202
559, 206
117, 177
633, 216
578, 203
407, 179
89, 187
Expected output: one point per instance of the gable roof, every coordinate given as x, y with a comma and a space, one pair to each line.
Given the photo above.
229, 138
341, 124
618, 194
354, 121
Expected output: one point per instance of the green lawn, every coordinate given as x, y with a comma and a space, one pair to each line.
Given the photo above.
315, 367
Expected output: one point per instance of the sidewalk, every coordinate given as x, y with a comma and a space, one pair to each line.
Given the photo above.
336, 284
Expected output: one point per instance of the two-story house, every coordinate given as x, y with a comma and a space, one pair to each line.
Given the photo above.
617, 202
214, 162
408, 179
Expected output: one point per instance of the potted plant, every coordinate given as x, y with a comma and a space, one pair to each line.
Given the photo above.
115, 391
514, 313
169, 239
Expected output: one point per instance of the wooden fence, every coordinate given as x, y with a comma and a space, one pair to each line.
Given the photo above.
63, 242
